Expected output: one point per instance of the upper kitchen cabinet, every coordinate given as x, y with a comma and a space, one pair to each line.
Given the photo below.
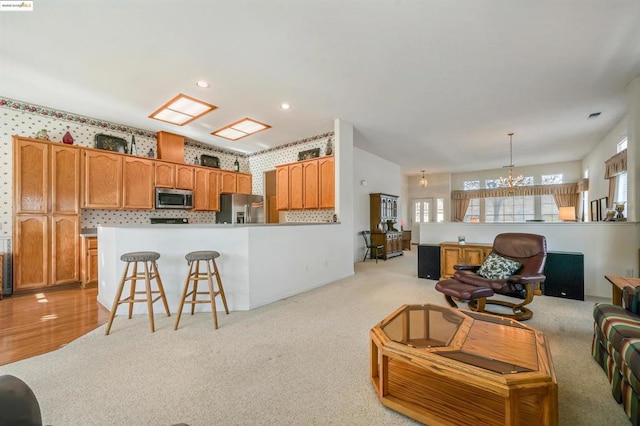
137, 179
235, 183
102, 179
227, 182
244, 184
165, 174
326, 183
308, 184
184, 176
47, 177
282, 187
170, 175
206, 192
170, 147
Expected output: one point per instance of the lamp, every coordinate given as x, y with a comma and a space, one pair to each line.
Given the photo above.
510, 181
423, 181
567, 213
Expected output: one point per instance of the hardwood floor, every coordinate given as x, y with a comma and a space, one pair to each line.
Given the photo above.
36, 323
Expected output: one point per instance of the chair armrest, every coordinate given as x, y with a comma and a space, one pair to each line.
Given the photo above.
466, 267
527, 279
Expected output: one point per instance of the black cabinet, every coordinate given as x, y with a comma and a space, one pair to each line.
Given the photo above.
565, 275
429, 261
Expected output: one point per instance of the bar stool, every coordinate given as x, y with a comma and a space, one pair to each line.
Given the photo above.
193, 259
148, 258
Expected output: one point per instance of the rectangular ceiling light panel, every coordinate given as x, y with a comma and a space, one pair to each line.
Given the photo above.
181, 110
240, 129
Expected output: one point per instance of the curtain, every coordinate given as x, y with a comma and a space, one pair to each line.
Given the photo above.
566, 200
615, 165
563, 188
613, 180
460, 206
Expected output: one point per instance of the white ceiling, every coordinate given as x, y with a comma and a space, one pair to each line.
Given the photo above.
427, 84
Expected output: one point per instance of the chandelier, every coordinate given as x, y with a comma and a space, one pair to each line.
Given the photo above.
423, 181
510, 181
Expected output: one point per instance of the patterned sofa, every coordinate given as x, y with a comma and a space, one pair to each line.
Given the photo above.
616, 347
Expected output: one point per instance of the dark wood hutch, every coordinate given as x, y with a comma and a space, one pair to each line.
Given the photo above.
384, 224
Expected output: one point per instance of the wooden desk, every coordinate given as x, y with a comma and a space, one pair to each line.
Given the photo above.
618, 283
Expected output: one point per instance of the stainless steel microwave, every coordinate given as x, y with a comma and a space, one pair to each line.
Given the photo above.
167, 198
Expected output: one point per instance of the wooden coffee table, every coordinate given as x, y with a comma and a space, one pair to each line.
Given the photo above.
444, 366
617, 284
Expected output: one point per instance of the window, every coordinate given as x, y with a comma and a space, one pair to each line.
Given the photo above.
551, 179
473, 211
548, 208
621, 191
509, 209
421, 210
622, 145
471, 185
440, 210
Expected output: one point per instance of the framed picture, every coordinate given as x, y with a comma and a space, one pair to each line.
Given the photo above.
595, 210
603, 207
210, 161
111, 143
309, 154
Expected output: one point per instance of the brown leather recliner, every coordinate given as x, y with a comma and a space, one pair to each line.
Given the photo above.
466, 285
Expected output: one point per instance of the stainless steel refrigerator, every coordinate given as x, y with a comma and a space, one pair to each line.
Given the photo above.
240, 208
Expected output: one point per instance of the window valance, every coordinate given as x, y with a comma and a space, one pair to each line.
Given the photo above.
563, 188
615, 165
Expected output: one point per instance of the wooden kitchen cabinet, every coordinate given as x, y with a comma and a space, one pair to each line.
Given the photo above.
47, 177
184, 177
46, 220
46, 251
296, 186
206, 194
89, 269
391, 242
169, 175
282, 187
165, 174
310, 184
138, 183
102, 179
461, 254
170, 147
244, 183
227, 182
326, 183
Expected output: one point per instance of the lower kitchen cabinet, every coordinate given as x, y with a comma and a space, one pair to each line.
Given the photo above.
46, 251
391, 242
89, 269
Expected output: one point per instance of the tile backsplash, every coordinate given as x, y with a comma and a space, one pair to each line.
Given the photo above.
20, 118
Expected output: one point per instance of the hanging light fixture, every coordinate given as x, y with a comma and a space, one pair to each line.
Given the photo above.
423, 181
510, 181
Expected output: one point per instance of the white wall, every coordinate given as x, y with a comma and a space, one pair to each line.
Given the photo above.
609, 248
380, 176
570, 173
594, 161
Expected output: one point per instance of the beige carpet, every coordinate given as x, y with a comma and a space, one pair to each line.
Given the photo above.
300, 361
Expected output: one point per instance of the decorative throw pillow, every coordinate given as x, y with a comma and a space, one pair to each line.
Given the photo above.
496, 267
631, 299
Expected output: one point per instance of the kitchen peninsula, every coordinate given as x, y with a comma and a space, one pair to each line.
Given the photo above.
259, 263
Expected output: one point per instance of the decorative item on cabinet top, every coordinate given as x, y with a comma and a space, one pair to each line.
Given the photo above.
309, 154
111, 143
210, 161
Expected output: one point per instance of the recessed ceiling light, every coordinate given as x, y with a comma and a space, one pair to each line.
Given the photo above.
203, 84
181, 110
240, 129
285, 106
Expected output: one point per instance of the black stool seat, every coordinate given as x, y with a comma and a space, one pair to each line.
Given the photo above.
202, 255
140, 256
